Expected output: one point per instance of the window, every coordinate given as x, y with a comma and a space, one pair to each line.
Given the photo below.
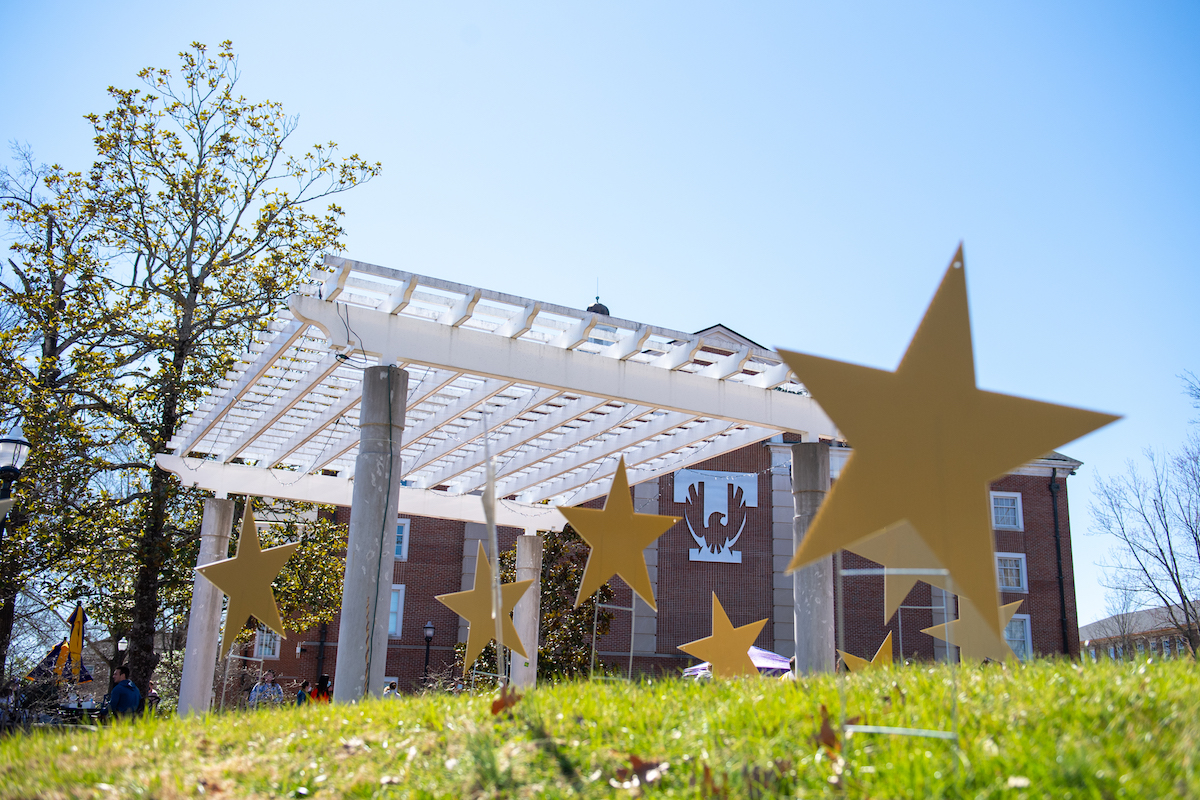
1166, 648
1010, 569
402, 527
266, 643
396, 612
1141, 647
1016, 633
1006, 511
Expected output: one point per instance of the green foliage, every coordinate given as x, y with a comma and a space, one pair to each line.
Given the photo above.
140, 283
1046, 729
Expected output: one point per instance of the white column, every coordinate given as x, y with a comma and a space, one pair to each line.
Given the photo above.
527, 612
645, 623
204, 622
370, 547
812, 585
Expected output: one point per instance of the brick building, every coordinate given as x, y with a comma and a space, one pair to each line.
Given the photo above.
435, 556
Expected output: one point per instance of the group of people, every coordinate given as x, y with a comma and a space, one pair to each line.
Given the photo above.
268, 692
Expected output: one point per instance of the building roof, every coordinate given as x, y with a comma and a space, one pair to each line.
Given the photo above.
1133, 623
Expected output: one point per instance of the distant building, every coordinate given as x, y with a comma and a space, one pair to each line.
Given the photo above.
1151, 632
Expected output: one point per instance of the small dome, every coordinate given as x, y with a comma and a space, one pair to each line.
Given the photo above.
599, 308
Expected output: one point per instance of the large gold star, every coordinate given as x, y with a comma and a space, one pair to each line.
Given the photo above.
728, 649
970, 633
475, 606
247, 578
899, 547
617, 537
927, 442
882, 659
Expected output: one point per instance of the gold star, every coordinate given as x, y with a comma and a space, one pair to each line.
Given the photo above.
728, 649
246, 579
927, 442
899, 547
882, 659
970, 633
617, 537
475, 606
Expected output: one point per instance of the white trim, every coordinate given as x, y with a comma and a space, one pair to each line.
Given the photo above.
1028, 635
407, 524
261, 638
1024, 588
1020, 526
397, 630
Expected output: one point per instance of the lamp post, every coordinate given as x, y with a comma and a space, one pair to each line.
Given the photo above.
428, 642
122, 646
14, 449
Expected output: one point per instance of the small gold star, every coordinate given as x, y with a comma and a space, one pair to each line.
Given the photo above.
246, 579
728, 649
971, 634
475, 606
617, 537
882, 659
927, 442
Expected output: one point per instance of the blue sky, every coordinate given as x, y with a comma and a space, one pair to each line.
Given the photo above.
799, 172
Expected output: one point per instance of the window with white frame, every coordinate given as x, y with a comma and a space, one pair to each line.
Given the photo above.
396, 612
266, 643
1006, 511
1018, 636
1010, 572
1166, 648
402, 528
1141, 647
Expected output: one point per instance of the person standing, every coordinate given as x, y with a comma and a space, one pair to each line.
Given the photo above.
125, 697
321, 694
266, 691
302, 694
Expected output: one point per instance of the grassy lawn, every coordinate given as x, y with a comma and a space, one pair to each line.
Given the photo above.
1048, 729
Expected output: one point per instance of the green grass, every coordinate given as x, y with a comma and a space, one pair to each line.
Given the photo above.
1048, 729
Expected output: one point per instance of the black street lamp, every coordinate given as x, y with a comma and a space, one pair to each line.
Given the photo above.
428, 642
14, 449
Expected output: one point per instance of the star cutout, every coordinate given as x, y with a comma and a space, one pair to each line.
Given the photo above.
617, 536
927, 443
246, 579
475, 606
899, 547
882, 659
972, 636
728, 649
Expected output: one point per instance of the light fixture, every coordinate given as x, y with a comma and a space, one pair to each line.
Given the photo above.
122, 645
429, 631
14, 450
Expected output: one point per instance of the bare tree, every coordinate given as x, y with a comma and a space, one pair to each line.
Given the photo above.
1155, 519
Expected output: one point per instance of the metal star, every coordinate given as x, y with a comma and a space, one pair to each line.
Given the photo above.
728, 649
882, 659
970, 633
246, 579
927, 443
617, 537
475, 606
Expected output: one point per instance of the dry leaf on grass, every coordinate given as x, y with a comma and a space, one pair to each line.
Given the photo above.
827, 736
507, 699
639, 773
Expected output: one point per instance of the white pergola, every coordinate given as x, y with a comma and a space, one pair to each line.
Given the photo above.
555, 394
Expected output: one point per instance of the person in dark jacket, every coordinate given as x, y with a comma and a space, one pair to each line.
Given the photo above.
125, 697
302, 695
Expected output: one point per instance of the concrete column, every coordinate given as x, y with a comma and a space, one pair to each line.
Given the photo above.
527, 612
474, 533
812, 586
645, 621
370, 546
783, 519
204, 622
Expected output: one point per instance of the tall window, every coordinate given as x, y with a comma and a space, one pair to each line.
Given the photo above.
402, 528
1017, 634
266, 643
1006, 511
396, 613
1010, 570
